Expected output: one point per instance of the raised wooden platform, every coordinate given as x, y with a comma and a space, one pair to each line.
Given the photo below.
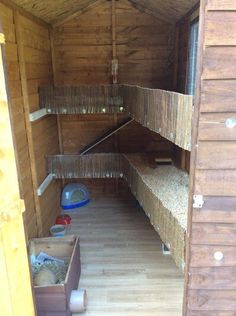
162, 191
123, 268
165, 112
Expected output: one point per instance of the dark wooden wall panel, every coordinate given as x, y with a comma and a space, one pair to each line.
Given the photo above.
79, 130
182, 33
83, 55
211, 263
182, 54
83, 48
144, 48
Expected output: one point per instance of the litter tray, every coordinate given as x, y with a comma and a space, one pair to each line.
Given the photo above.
74, 195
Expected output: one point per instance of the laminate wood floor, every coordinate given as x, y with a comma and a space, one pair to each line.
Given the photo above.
123, 268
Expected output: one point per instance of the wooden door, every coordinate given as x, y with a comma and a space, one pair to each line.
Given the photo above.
15, 283
211, 260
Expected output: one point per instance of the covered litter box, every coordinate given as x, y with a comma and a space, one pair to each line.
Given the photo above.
74, 195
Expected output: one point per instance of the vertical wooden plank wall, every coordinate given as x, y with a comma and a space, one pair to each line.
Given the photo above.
144, 48
83, 48
16, 105
211, 265
29, 64
83, 54
15, 286
34, 49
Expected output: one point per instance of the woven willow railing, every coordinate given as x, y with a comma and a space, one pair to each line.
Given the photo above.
164, 112
170, 225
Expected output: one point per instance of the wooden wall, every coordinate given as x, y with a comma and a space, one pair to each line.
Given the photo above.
82, 55
79, 130
144, 48
83, 47
29, 64
210, 286
18, 119
16, 292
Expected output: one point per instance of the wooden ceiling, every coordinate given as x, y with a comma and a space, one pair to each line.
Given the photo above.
54, 11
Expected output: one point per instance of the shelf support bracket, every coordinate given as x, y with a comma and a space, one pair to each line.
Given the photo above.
34, 116
43, 186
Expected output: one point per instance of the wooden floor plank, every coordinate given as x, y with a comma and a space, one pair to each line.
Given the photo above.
123, 268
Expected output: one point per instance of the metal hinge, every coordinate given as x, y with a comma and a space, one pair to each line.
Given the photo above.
2, 38
198, 201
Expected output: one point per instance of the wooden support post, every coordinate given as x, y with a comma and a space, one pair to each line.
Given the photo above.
176, 59
114, 57
55, 82
113, 21
20, 47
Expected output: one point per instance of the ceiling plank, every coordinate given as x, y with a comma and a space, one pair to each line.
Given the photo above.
154, 14
167, 10
59, 11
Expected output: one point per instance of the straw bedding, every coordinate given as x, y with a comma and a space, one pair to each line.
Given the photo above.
163, 193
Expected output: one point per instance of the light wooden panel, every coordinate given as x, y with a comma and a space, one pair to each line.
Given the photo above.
44, 133
53, 12
16, 293
29, 65
18, 121
209, 287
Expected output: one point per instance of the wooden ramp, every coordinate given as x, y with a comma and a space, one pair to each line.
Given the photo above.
123, 268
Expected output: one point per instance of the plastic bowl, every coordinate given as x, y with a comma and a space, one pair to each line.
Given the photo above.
58, 230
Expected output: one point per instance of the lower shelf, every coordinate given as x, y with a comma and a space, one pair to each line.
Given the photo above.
162, 191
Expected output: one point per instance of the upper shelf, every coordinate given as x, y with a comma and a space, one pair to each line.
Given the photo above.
165, 112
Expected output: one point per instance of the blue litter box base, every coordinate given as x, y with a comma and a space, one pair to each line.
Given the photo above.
77, 205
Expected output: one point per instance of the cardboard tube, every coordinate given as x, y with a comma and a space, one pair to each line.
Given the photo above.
78, 301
